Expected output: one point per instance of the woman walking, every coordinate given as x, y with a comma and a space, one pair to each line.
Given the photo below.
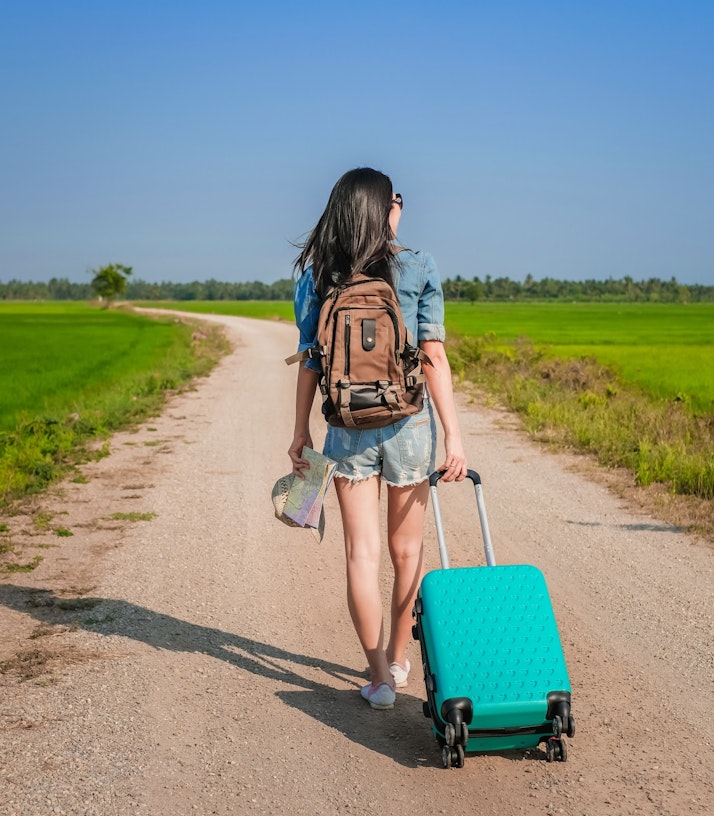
356, 234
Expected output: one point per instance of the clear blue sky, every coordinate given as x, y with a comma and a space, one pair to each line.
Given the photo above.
194, 140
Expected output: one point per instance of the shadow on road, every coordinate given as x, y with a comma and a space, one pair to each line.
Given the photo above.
635, 528
402, 734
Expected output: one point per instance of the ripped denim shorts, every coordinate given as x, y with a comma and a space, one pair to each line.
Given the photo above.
403, 453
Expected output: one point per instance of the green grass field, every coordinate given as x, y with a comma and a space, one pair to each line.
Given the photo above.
70, 372
56, 356
666, 349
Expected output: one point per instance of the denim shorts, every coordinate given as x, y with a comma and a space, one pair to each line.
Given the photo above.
403, 454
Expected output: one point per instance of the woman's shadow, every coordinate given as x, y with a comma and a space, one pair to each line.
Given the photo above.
401, 734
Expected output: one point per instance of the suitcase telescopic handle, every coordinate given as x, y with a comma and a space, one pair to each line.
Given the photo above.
483, 518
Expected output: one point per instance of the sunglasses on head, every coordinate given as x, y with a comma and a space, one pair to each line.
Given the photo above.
397, 199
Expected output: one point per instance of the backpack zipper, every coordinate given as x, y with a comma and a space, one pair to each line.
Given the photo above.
348, 331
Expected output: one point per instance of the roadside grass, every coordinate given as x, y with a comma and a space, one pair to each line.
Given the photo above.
74, 604
134, 516
92, 621
15, 566
665, 349
28, 665
42, 520
71, 374
584, 405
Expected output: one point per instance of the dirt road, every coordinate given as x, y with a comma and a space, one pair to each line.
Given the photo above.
201, 661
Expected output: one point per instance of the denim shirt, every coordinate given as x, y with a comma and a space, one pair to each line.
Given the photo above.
421, 299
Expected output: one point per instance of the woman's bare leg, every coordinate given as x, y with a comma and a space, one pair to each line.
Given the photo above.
359, 505
405, 523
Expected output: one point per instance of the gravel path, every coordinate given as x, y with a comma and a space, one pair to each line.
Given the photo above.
211, 667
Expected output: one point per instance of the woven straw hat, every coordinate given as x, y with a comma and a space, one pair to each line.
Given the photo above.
280, 498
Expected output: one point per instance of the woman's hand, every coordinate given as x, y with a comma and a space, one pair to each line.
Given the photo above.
295, 454
454, 467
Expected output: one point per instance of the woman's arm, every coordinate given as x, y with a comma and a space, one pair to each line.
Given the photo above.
438, 380
304, 395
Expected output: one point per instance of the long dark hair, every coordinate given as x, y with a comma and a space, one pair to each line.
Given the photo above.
353, 234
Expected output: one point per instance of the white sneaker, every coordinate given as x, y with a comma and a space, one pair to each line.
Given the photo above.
400, 673
381, 696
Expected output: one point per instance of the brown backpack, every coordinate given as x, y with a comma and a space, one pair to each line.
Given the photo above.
371, 374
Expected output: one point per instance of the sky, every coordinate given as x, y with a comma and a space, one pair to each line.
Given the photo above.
190, 140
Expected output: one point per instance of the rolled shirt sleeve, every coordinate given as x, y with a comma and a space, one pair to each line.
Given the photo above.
307, 313
430, 309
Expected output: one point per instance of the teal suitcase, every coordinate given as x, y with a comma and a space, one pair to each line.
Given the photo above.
494, 669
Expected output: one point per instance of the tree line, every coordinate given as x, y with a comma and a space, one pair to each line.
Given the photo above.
136, 289
625, 289
460, 289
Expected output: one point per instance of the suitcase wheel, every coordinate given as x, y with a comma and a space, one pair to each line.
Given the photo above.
452, 757
456, 734
564, 725
556, 748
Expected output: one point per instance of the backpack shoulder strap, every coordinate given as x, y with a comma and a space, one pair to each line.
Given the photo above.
314, 353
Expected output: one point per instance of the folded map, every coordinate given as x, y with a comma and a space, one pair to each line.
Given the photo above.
304, 501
